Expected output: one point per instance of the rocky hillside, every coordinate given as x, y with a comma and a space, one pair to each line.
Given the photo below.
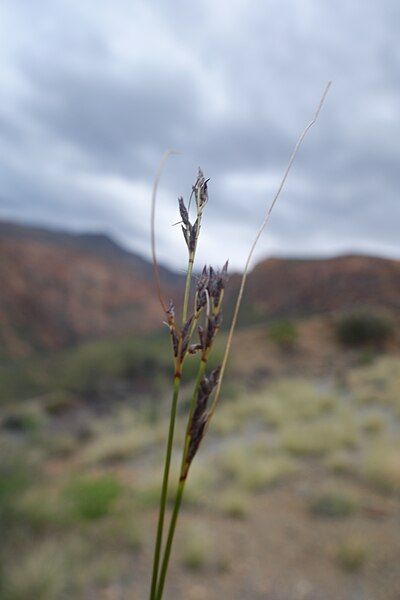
58, 289
292, 287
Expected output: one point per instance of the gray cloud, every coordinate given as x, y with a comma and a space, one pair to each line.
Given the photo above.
93, 94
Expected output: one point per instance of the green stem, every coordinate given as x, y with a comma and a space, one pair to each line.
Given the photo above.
168, 545
180, 490
167, 464
164, 490
187, 287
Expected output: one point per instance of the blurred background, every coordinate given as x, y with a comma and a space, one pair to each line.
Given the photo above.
295, 493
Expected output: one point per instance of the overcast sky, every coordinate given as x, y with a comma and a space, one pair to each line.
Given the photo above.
93, 92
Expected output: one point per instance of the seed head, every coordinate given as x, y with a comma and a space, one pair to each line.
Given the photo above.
183, 212
199, 418
185, 337
200, 190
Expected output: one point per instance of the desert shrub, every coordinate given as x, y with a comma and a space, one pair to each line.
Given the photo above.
233, 503
294, 399
252, 469
374, 423
115, 447
381, 468
340, 464
39, 510
92, 498
119, 531
283, 333
351, 554
15, 478
319, 437
378, 383
40, 574
58, 402
22, 380
333, 504
195, 551
90, 367
22, 421
363, 328
59, 444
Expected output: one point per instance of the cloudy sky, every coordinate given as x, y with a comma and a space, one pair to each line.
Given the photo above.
93, 92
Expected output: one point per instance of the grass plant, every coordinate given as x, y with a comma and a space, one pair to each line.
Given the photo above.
201, 313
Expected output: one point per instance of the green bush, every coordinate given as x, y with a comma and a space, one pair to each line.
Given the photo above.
15, 478
283, 333
333, 504
92, 498
91, 367
22, 380
363, 328
22, 421
351, 554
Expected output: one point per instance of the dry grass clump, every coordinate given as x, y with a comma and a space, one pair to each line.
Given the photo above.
374, 423
198, 551
92, 497
296, 400
333, 504
41, 510
120, 531
59, 445
234, 503
41, 574
378, 383
381, 468
278, 403
341, 463
124, 436
230, 418
115, 447
320, 436
252, 469
351, 554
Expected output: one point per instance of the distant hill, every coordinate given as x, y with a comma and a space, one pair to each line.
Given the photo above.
279, 287
59, 288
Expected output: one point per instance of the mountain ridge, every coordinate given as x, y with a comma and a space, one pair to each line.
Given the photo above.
59, 288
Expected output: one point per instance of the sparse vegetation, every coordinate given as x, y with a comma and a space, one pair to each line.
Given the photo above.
234, 503
382, 468
351, 554
196, 549
378, 384
333, 504
363, 328
253, 469
320, 436
249, 466
374, 423
92, 497
283, 333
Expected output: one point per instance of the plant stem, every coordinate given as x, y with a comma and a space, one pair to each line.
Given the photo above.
181, 486
164, 490
187, 287
167, 464
168, 545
